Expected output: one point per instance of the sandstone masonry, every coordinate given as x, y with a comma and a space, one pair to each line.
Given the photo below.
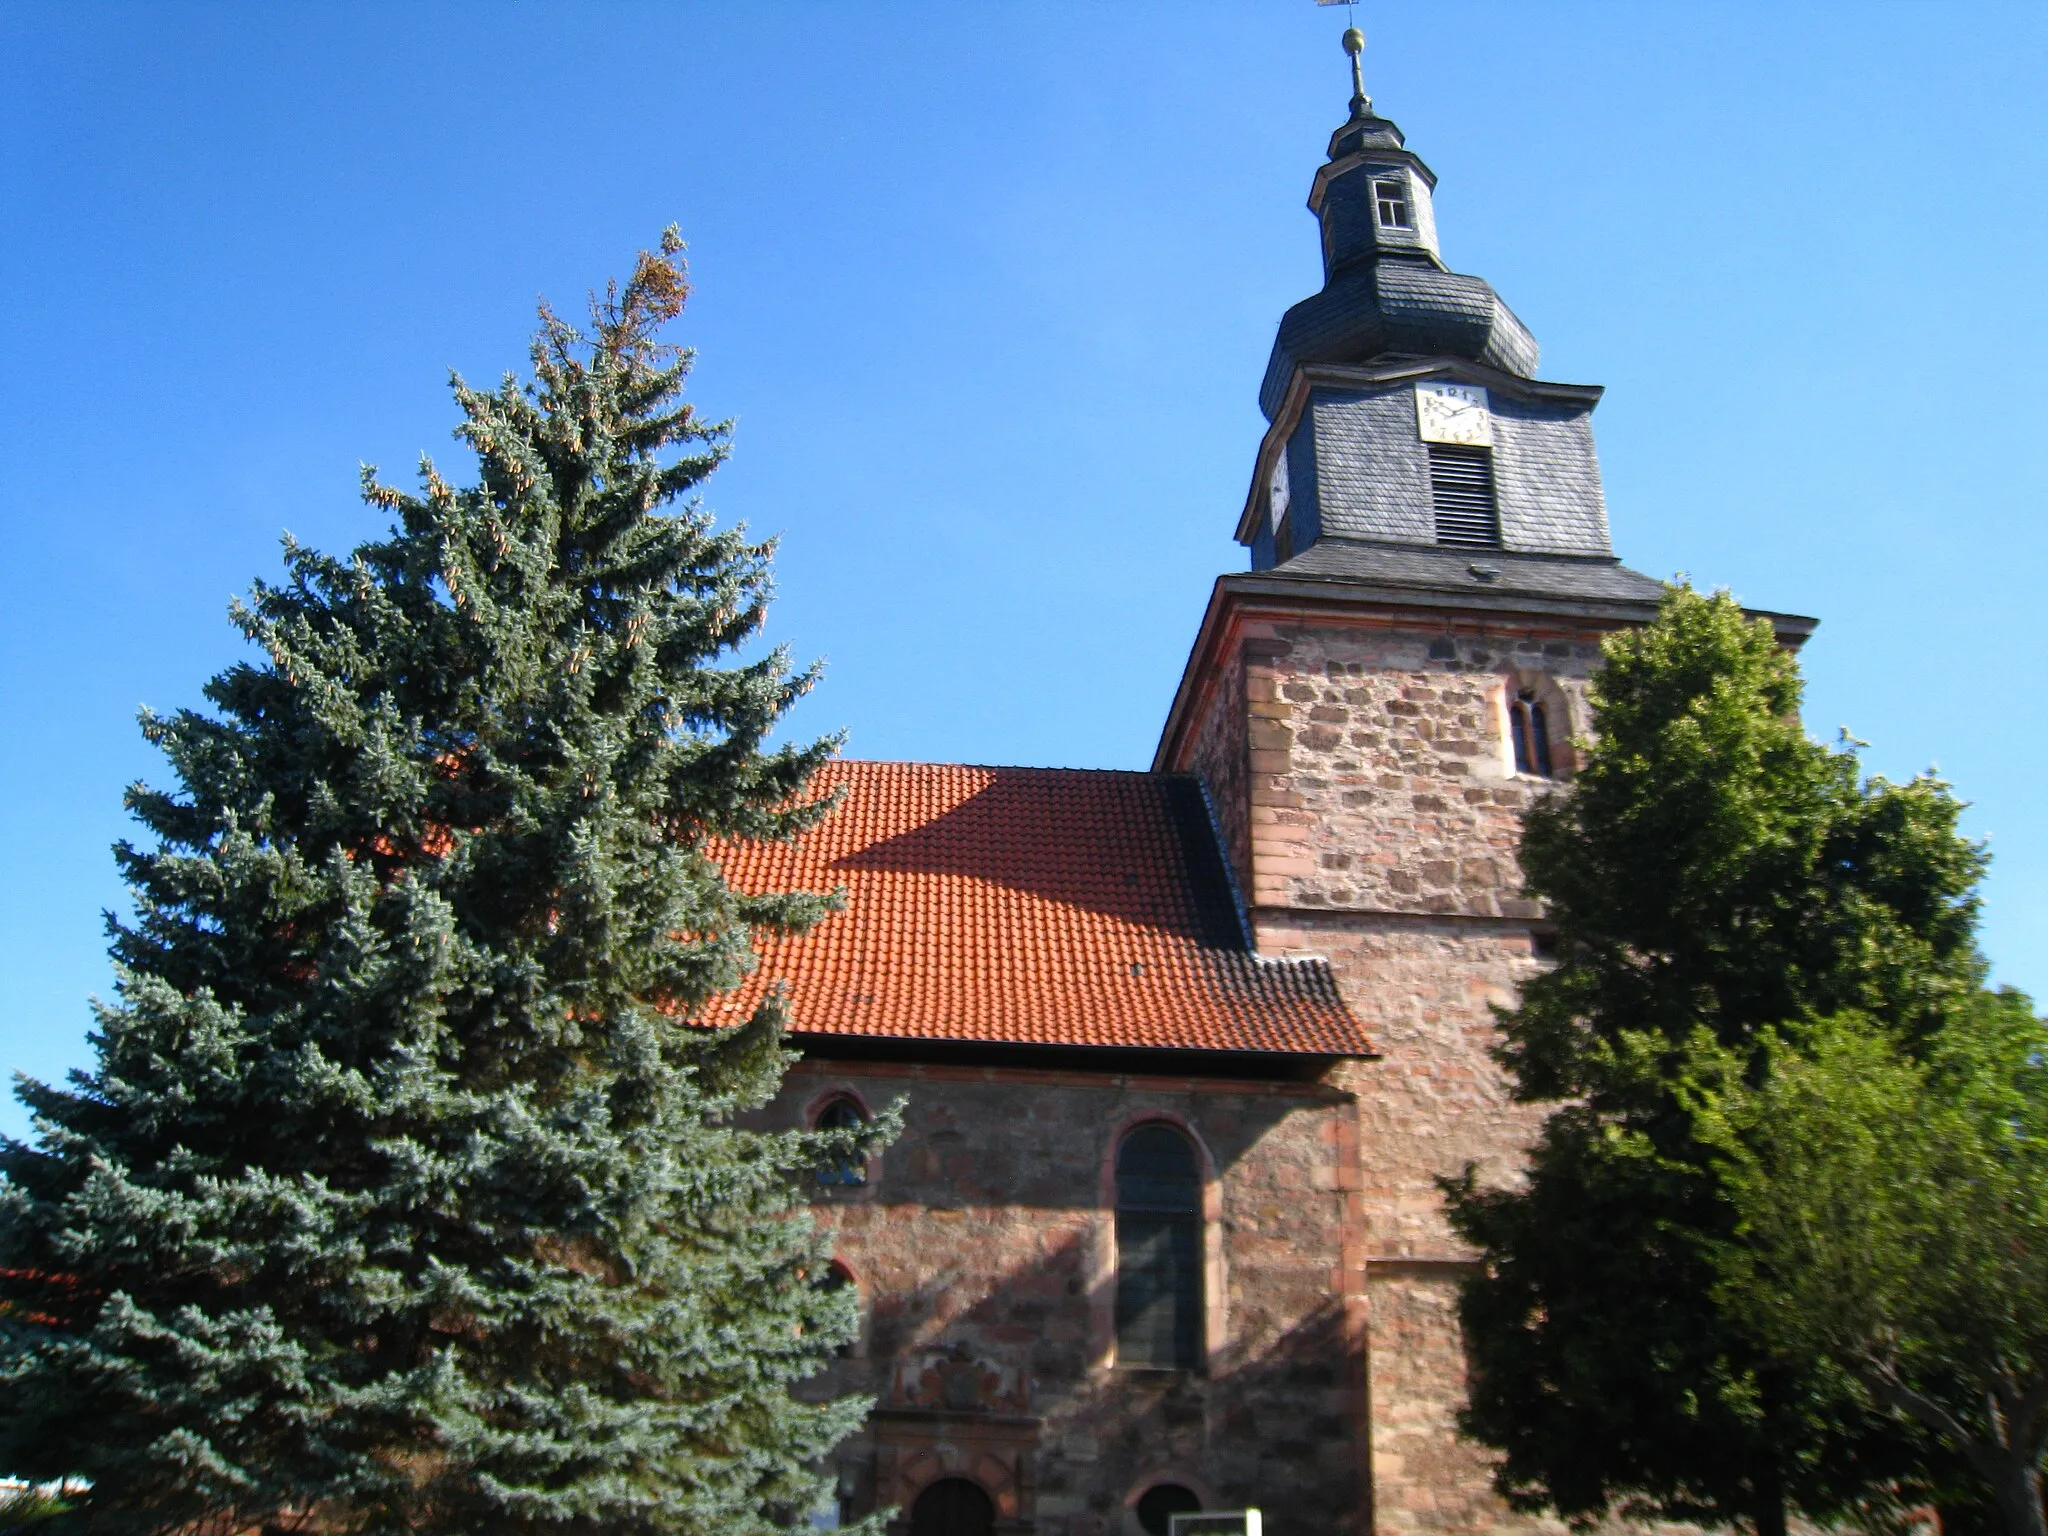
983, 1247
1375, 824
1371, 712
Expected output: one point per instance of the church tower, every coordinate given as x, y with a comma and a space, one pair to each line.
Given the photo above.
1181, 1055
1373, 707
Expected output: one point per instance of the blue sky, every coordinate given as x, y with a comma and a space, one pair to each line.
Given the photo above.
988, 290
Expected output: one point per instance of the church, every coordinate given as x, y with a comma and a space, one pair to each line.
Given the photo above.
1182, 1053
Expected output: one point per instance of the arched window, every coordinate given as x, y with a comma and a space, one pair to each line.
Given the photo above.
953, 1506
1158, 1505
1158, 1250
1530, 728
842, 1114
839, 1278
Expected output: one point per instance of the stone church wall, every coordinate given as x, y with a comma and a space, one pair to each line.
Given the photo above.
1368, 797
1383, 754
983, 1245
1384, 812
1432, 1103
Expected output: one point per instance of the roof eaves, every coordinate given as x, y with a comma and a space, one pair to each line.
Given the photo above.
1791, 628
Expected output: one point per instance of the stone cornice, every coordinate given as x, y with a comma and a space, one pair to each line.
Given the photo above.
1255, 596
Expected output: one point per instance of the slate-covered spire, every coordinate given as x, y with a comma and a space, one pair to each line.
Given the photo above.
1386, 291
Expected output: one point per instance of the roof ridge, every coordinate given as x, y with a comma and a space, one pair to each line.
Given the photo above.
912, 762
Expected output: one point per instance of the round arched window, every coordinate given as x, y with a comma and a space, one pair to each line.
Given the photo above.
1158, 1505
1158, 1250
953, 1506
843, 1114
838, 1277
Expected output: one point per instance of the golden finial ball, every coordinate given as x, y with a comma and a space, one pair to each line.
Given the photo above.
1354, 41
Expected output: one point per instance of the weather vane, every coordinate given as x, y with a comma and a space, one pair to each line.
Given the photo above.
1354, 44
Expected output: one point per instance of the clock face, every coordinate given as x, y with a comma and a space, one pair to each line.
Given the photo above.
1279, 496
1453, 413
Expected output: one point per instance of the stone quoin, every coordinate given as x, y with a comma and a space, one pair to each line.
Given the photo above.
1183, 1053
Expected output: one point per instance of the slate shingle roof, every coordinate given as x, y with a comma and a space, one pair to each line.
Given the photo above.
1037, 906
1489, 571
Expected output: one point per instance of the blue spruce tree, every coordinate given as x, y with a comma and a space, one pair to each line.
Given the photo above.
406, 1192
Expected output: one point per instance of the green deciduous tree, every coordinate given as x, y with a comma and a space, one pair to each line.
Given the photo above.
1710, 869
1892, 1213
404, 1193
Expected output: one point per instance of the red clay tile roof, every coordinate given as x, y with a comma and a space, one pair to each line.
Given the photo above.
1042, 906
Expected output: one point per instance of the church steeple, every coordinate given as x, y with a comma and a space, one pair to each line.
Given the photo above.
1386, 289
1404, 402
1354, 47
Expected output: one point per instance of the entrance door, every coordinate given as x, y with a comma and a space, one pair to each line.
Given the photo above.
953, 1507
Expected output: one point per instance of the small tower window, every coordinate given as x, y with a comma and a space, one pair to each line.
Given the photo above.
1390, 194
1158, 1250
842, 1115
1530, 728
1461, 493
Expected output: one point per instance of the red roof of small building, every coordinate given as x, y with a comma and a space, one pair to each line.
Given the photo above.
1035, 906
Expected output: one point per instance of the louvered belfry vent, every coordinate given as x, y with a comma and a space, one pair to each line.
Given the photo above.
1461, 490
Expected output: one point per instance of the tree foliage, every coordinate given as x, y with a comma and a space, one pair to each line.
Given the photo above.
405, 1193
1892, 1215
1713, 870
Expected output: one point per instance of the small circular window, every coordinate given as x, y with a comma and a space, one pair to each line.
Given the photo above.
1158, 1505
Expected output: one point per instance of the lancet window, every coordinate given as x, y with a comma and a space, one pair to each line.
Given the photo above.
1158, 1250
